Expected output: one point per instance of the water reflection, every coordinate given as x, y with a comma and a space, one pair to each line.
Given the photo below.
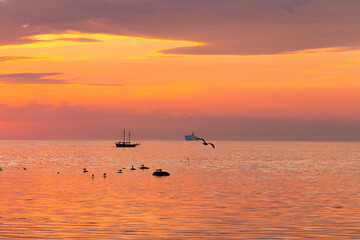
240, 190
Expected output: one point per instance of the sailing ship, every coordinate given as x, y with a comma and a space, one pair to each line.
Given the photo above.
125, 144
191, 137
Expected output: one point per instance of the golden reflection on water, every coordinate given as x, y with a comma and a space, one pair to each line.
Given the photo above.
291, 190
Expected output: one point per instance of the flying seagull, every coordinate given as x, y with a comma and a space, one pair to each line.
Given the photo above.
204, 142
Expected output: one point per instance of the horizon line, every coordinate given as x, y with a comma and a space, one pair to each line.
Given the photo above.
235, 140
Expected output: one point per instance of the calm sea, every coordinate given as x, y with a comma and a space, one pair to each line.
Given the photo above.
240, 190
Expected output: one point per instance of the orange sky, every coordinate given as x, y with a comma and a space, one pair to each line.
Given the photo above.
124, 74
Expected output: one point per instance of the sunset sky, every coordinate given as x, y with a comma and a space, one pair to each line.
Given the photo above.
229, 69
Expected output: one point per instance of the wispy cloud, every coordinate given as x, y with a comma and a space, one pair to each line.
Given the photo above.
327, 50
31, 78
42, 78
14, 58
83, 40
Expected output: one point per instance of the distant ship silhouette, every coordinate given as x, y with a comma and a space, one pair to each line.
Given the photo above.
125, 144
191, 137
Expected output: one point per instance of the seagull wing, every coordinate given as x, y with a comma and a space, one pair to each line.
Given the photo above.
212, 145
201, 139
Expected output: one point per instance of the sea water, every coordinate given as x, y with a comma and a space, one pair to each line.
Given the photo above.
239, 190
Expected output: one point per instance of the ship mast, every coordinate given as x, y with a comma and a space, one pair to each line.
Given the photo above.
129, 136
124, 134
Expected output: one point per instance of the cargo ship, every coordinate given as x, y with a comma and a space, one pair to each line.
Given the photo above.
124, 144
191, 137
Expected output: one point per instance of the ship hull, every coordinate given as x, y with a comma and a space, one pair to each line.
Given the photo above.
126, 145
190, 138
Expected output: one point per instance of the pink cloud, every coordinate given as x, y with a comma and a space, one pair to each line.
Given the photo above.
227, 26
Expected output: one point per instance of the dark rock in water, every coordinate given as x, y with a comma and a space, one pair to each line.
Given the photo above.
160, 172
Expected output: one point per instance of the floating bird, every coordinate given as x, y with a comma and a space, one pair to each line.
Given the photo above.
1, 169
143, 167
120, 171
92, 176
104, 175
132, 168
160, 172
24, 168
85, 170
58, 172
205, 143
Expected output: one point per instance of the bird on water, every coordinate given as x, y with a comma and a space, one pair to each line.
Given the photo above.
206, 143
143, 167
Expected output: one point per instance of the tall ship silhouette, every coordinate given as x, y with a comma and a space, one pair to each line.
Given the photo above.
191, 137
125, 144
